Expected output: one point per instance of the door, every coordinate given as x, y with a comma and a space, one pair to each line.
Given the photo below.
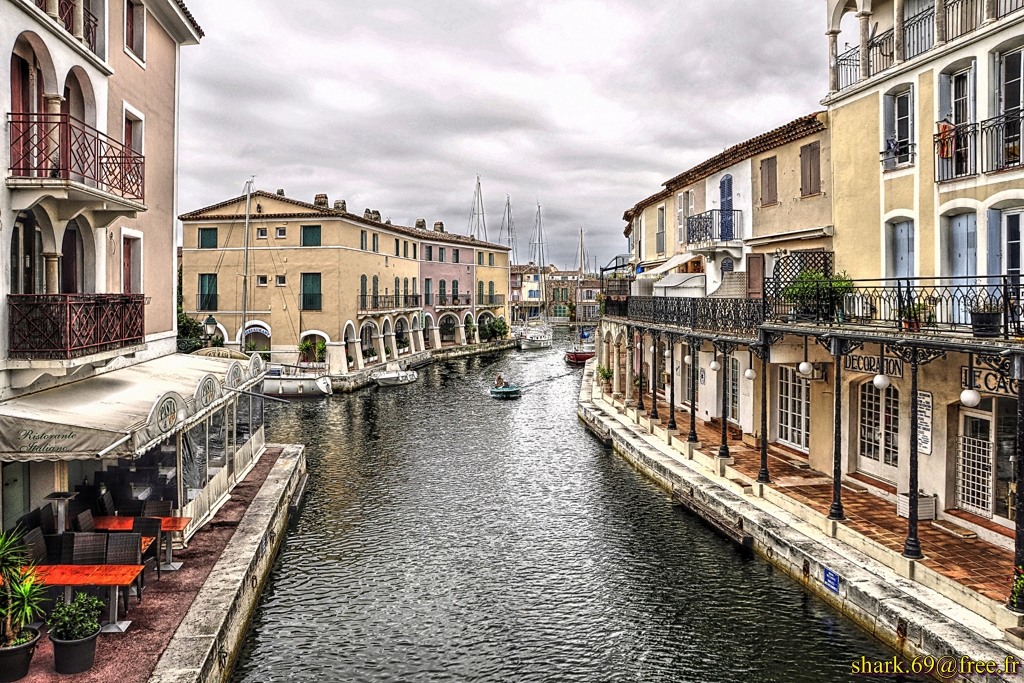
963, 263
725, 194
963, 114
1012, 101
974, 463
794, 408
1011, 236
69, 263
878, 431
126, 272
755, 276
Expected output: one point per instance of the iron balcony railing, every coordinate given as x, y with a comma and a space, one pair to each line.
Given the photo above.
454, 300
882, 51
64, 326
848, 68
206, 302
59, 146
714, 226
731, 316
311, 301
956, 152
986, 306
1000, 142
898, 153
919, 33
388, 302
1009, 6
488, 300
963, 17
617, 286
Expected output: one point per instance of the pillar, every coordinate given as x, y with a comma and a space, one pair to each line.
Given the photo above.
390, 342
912, 546
53, 130
940, 22
460, 334
356, 351
833, 61
865, 46
655, 337
723, 450
1016, 602
336, 359
640, 387
898, 32
435, 337
52, 273
378, 343
672, 383
835, 512
78, 21
476, 335
630, 364
694, 371
616, 371
418, 336
53, 8
991, 11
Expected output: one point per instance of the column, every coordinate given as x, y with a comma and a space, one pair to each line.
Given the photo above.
390, 342
640, 387
835, 512
460, 334
476, 335
833, 60
630, 388
991, 11
865, 47
52, 273
762, 475
378, 342
616, 371
672, 383
898, 33
723, 450
357, 354
435, 337
940, 22
655, 338
418, 336
78, 21
53, 8
1016, 602
53, 130
694, 371
912, 546
336, 356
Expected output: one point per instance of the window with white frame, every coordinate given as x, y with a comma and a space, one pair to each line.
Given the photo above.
135, 28
899, 128
661, 230
692, 391
794, 408
681, 215
879, 432
732, 391
281, 233
281, 281
261, 280
261, 233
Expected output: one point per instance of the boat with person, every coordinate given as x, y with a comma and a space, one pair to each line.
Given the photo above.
503, 390
394, 375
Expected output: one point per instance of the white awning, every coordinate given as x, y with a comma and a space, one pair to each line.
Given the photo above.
680, 280
674, 262
121, 413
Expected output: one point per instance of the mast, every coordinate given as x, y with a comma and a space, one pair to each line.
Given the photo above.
508, 229
245, 260
542, 268
477, 218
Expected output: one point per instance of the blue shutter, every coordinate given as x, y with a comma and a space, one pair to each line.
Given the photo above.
995, 242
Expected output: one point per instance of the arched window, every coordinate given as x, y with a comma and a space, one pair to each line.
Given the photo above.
398, 283
490, 287
375, 287
441, 292
455, 292
725, 195
727, 265
405, 287
879, 432
362, 285
480, 291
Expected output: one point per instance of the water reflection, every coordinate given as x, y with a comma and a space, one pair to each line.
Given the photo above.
451, 537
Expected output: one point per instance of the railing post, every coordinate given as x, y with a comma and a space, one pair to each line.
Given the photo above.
940, 22
694, 369
899, 42
912, 546
78, 21
762, 475
672, 383
1006, 308
835, 512
991, 11
655, 337
53, 8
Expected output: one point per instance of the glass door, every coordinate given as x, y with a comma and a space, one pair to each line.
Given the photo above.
974, 465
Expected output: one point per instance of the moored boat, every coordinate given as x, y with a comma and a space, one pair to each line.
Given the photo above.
394, 375
296, 381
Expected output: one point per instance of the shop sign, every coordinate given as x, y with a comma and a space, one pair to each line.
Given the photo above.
257, 329
924, 422
989, 382
868, 365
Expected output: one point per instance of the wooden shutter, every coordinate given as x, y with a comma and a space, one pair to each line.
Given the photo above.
769, 181
810, 169
755, 276
128, 136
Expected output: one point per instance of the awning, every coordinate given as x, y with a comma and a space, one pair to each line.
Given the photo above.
680, 280
121, 413
674, 262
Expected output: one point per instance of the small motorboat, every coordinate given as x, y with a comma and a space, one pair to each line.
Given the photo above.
394, 375
296, 381
505, 392
580, 356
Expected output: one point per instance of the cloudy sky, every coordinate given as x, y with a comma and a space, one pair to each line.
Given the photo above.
586, 106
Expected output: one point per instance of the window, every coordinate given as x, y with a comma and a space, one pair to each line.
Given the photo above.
135, 28
561, 311
405, 249
455, 289
1003, 135
207, 238
376, 243
261, 280
310, 298
480, 258
398, 283
428, 291
490, 289
732, 391
1012, 232
405, 288
133, 130
480, 291
900, 238
397, 250
794, 408
311, 235
207, 292
878, 436
661, 230
455, 255
440, 254
565, 293
414, 251
376, 285
362, 240
281, 281
899, 130
261, 233
490, 259
428, 253
769, 181
692, 375
810, 169
362, 285
281, 233
681, 215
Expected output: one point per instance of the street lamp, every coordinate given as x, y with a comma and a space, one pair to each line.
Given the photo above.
715, 366
209, 328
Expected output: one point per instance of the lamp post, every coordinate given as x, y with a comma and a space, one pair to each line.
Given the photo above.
209, 329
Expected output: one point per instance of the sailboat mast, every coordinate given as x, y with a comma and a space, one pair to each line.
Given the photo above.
541, 265
245, 262
478, 219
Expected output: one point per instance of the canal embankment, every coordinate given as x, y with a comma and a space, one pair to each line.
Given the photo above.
828, 558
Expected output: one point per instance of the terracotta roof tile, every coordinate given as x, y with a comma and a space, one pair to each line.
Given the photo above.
191, 19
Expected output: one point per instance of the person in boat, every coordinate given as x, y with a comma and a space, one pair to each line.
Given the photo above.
500, 383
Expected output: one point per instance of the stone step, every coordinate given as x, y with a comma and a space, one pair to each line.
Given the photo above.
953, 529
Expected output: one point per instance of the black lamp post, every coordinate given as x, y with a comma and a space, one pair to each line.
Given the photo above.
209, 329
640, 401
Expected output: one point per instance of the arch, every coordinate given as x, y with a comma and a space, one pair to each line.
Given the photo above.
728, 265
897, 215
448, 324
315, 333
428, 321
468, 319
253, 323
485, 317
349, 334
1007, 199
839, 8
78, 85
386, 327
29, 45
415, 322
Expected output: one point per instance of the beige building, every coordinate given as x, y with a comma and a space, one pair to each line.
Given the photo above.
360, 290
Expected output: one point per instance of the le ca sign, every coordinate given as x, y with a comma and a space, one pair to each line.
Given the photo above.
989, 381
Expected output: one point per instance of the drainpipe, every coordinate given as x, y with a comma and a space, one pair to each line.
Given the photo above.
835, 512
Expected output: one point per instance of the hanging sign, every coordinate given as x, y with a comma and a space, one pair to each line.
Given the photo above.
868, 365
924, 422
989, 381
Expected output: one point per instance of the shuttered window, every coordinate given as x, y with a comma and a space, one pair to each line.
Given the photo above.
769, 181
207, 238
810, 169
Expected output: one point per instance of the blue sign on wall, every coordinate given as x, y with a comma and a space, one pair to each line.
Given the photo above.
832, 581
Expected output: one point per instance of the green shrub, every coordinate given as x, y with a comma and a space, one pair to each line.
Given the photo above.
77, 620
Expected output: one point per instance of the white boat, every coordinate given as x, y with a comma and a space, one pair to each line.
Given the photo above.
538, 333
394, 375
294, 380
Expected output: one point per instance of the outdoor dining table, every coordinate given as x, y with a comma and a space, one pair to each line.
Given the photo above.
168, 525
80, 575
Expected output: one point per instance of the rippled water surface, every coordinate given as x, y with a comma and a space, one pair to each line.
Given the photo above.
450, 537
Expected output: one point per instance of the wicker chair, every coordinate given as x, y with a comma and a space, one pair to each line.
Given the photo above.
47, 522
127, 549
84, 522
36, 545
150, 526
88, 548
157, 508
129, 507
105, 505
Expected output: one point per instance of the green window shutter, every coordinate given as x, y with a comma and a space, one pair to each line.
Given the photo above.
311, 295
490, 259
480, 289
207, 238
311, 235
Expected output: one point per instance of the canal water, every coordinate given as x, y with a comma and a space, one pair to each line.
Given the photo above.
447, 536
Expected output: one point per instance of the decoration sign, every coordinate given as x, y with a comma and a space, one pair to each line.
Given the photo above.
868, 365
989, 381
924, 422
831, 580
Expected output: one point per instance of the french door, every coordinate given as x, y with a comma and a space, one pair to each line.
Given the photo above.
794, 408
878, 431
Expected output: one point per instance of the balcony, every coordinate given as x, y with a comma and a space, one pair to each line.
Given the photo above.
453, 301
491, 301
963, 17
58, 149
68, 326
898, 153
714, 226
66, 12
1000, 142
736, 317
376, 303
956, 152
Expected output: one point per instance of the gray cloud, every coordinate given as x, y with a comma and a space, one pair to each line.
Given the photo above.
586, 106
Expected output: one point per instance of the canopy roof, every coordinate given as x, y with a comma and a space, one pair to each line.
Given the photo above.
681, 280
121, 413
674, 262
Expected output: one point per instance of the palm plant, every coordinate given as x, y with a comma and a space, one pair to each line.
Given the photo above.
23, 593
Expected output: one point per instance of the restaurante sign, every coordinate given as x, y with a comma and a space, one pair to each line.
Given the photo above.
45, 442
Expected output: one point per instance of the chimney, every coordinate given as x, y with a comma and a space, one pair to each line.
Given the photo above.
320, 200
387, 222
340, 205
280, 192
421, 224
367, 214
439, 227
376, 215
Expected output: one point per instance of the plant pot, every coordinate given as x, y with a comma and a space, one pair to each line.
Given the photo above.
986, 323
74, 656
15, 661
912, 325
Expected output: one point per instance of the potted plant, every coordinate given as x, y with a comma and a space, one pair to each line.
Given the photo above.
73, 629
306, 350
349, 359
321, 351
606, 376
815, 296
985, 319
22, 601
913, 314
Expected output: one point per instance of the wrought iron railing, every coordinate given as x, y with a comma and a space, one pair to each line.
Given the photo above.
729, 316
189, 344
60, 146
311, 301
1000, 142
882, 51
1009, 6
91, 30
848, 68
919, 33
617, 286
988, 306
898, 153
490, 300
388, 302
63, 326
963, 17
956, 152
454, 300
714, 226
617, 308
